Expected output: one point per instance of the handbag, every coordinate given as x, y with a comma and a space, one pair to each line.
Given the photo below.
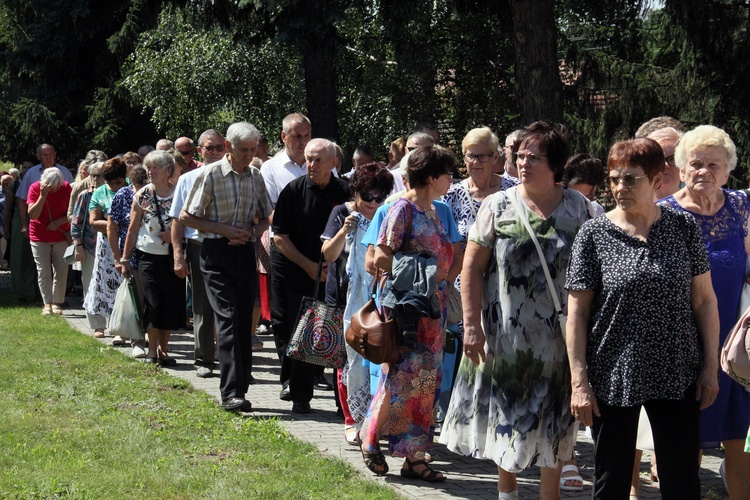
318, 338
374, 338
562, 318
735, 353
125, 319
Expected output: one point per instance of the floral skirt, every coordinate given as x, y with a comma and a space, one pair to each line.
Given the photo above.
104, 281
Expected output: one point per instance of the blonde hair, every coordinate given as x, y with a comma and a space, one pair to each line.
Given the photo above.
706, 136
481, 135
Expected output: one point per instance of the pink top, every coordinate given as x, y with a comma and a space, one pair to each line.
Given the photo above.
56, 204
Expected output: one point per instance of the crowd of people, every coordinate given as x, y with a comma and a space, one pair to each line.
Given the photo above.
569, 314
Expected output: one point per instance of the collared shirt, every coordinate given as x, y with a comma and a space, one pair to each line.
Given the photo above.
278, 172
34, 174
184, 184
193, 165
222, 195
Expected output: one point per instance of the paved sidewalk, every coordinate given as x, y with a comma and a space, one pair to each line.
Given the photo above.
467, 478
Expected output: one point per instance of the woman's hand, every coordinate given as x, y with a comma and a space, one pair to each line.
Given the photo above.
166, 236
707, 387
474, 343
350, 224
44, 189
55, 224
79, 253
125, 269
583, 403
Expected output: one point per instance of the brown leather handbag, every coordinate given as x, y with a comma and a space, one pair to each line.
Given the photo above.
370, 335
376, 339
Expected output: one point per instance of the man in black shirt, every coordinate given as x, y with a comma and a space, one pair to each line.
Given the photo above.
300, 218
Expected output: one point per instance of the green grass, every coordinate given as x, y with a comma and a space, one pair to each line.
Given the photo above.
80, 420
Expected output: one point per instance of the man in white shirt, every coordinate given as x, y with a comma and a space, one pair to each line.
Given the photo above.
289, 163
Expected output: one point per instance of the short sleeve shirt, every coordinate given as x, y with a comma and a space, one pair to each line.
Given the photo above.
155, 220
102, 199
442, 209
642, 342
55, 206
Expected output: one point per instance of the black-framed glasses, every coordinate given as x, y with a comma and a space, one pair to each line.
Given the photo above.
367, 197
670, 161
218, 147
531, 158
484, 158
627, 180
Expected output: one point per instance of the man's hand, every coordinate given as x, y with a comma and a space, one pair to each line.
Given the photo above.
25, 232
180, 266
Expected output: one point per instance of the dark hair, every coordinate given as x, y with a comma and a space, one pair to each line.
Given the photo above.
371, 177
641, 152
364, 149
583, 169
114, 168
428, 161
138, 176
553, 140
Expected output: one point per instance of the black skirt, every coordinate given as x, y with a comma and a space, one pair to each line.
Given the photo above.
163, 292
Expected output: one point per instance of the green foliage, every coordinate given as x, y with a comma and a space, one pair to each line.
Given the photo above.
193, 78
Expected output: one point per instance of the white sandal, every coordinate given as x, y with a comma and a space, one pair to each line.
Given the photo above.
564, 479
507, 495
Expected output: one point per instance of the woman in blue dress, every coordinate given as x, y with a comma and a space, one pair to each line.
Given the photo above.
706, 156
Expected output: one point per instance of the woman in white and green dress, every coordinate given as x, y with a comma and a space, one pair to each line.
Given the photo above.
511, 399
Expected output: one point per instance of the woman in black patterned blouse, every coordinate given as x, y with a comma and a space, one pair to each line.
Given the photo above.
643, 328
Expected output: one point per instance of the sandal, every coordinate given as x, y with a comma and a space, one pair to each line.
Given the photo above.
375, 462
46, 311
352, 436
56, 309
98, 334
573, 478
427, 474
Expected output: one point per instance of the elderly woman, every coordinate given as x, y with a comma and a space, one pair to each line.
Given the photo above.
642, 328
118, 223
83, 180
84, 238
408, 391
510, 401
342, 240
100, 297
668, 138
705, 157
149, 236
48, 231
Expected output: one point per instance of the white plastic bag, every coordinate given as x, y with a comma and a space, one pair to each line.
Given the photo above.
124, 320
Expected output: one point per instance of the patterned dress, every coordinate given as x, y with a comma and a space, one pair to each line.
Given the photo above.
414, 381
724, 235
515, 408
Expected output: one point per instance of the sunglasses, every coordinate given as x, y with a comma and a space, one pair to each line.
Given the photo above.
628, 180
186, 153
219, 148
367, 197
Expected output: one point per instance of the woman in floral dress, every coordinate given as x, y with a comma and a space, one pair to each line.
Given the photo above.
511, 397
408, 391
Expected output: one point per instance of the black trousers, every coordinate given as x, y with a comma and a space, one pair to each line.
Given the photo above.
229, 273
203, 315
676, 428
285, 303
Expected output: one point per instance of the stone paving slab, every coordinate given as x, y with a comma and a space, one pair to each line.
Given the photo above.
467, 478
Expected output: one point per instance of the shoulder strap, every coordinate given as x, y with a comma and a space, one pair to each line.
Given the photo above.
521, 213
467, 194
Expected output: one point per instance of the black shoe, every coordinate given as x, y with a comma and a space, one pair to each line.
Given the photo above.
285, 394
237, 404
322, 384
250, 379
301, 407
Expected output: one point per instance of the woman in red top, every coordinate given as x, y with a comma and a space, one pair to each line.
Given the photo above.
48, 230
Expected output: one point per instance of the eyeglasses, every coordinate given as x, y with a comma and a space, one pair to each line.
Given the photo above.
186, 153
219, 148
531, 158
367, 197
670, 161
628, 180
479, 158
449, 174
95, 176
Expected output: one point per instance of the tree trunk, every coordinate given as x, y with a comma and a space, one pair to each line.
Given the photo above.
538, 85
319, 61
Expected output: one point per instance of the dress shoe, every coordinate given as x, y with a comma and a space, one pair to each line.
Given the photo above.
237, 404
302, 407
322, 384
285, 394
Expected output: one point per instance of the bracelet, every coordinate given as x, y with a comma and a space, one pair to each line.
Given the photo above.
124, 261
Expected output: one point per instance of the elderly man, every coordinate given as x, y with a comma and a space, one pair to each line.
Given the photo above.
228, 205
187, 257
301, 214
510, 174
186, 147
23, 265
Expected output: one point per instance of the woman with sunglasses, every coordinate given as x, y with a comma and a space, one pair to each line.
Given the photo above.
642, 328
510, 401
342, 248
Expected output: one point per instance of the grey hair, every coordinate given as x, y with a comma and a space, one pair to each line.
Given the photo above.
94, 156
52, 177
96, 164
39, 148
421, 137
161, 159
242, 131
164, 142
289, 120
511, 138
208, 133
15, 173
328, 146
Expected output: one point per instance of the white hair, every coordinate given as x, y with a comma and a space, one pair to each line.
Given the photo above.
242, 131
52, 177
